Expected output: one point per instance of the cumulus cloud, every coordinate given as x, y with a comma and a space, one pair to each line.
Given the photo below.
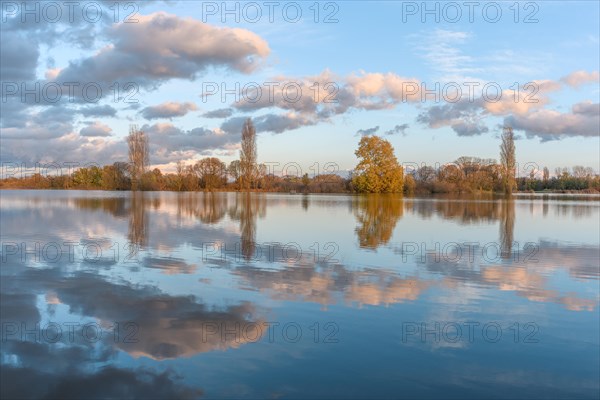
48, 123
587, 108
169, 143
158, 48
70, 147
579, 78
168, 110
463, 117
313, 99
96, 128
468, 117
583, 120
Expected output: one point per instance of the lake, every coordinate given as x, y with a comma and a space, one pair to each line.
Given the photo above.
233, 295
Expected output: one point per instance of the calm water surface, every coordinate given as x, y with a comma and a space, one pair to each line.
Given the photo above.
265, 295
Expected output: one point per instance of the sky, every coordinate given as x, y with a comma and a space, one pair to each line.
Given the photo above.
436, 79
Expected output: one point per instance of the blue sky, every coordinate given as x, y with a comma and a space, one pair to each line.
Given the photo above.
371, 51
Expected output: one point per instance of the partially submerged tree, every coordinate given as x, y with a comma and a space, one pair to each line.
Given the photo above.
507, 160
248, 155
378, 170
138, 155
234, 170
212, 173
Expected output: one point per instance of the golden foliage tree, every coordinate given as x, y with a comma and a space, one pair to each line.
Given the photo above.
378, 170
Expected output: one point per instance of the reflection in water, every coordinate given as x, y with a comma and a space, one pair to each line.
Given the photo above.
133, 207
208, 207
305, 202
138, 219
115, 206
507, 227
334, 284
246, 209
532, 285
377, 216
465, 211
202, 322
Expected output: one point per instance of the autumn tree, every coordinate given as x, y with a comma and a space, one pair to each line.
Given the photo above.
378, 170
212, 173
114, 177
234, 170
138, 155
507, 160
180, 174
248, 155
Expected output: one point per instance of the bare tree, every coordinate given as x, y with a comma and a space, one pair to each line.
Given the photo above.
180, 174
507, 159
546, 174
234, 171
212, 173
248, 155
138, 155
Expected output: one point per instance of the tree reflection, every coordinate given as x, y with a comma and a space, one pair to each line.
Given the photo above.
465, 211
507, 227
305, 202
138, 219
133, 207
210, 207
116, 206
377, 216
246, 209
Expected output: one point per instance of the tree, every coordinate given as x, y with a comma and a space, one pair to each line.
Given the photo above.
425, 174
409, 184
378, 170
234, 170
138, 155
260, 173
546, 175
180, 168
114, 177
248, 155
305, 181
212, 173
507, 160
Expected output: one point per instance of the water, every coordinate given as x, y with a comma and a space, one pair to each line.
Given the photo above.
273, 295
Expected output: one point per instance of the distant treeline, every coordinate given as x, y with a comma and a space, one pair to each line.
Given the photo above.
472, 174
378, 171
465, 175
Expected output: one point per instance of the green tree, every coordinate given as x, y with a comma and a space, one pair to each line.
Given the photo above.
378, 170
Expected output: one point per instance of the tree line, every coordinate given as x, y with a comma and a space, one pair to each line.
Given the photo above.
378, 171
